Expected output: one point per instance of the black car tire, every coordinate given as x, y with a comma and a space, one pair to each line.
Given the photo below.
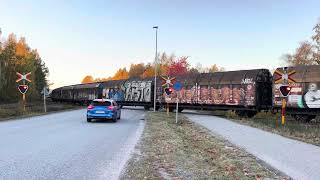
88, 119
114, 119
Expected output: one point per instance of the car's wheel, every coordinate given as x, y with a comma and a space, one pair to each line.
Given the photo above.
114, 119
119, 115
88, 119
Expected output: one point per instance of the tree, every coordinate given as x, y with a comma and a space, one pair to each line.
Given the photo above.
17, 56
193, 71
136, 70
316, 40
178, 67
163, 64
87, 79
308, 53
302, 56
200, 68
215, 68
149, 71
122, 73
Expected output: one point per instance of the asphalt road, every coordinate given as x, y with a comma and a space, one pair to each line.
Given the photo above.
65, 146
294, 158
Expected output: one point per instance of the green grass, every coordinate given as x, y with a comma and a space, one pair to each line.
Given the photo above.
188, 151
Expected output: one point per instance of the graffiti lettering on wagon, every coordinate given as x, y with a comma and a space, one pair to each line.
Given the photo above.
247, 81
115, 93
139, 91
301, 95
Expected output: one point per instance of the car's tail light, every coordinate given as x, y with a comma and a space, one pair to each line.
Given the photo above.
111, 108
90, 107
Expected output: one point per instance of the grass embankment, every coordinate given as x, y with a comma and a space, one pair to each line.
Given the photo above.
188, 151
302, 131
15, 110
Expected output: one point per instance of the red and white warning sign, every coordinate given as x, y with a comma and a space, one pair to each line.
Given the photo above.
23, 77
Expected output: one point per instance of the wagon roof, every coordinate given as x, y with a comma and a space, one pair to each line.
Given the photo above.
188, 79
66, 87
302, 73
112, 83
86, 86
230, 77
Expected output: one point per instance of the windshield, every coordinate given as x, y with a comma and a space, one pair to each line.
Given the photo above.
104, 103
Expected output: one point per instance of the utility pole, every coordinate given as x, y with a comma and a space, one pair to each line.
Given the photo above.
155, 71
44, 99
45, 93
0, 60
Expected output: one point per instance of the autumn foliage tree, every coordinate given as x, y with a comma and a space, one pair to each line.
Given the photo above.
122, 73
308, 52
178, 67
87, 79
166, 65
149, 71
136, 70
17, 56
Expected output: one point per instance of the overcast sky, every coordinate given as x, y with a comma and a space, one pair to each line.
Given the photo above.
77, 38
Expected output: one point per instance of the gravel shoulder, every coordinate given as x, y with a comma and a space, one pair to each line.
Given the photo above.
297, 159
189, 151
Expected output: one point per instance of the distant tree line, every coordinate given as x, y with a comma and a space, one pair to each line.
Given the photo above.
308, 52
168, 65
17, 56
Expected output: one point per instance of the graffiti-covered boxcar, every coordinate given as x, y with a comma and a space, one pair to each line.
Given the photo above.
303, 102
245, 91
85, 93
130, 92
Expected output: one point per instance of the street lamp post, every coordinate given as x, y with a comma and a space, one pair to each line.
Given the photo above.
155, 71
0, 60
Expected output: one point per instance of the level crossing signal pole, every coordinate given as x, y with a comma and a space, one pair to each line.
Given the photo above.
23, 88
177, 86
285, 90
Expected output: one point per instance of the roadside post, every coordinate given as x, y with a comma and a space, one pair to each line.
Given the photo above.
45, 92
168, 90
177, 86
23, 88
283, 110
285, 89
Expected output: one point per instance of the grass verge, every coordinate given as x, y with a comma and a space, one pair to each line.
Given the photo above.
189, 151
15, 110
302, 131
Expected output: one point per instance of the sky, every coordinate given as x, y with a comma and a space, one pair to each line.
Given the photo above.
76, 38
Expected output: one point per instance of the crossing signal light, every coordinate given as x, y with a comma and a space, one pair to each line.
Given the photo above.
285, 90
168, 90
23, 88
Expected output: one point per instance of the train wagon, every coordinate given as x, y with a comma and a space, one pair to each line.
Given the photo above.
131, 92
85, 93
246, 91
66, 94
303, 101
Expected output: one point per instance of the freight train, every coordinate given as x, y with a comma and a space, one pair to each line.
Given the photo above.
246, 92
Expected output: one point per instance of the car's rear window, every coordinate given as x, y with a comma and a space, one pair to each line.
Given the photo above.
98, 103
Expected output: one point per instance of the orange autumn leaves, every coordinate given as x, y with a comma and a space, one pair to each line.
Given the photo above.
167, 65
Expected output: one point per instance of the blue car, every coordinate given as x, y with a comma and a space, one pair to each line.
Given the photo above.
103, 109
